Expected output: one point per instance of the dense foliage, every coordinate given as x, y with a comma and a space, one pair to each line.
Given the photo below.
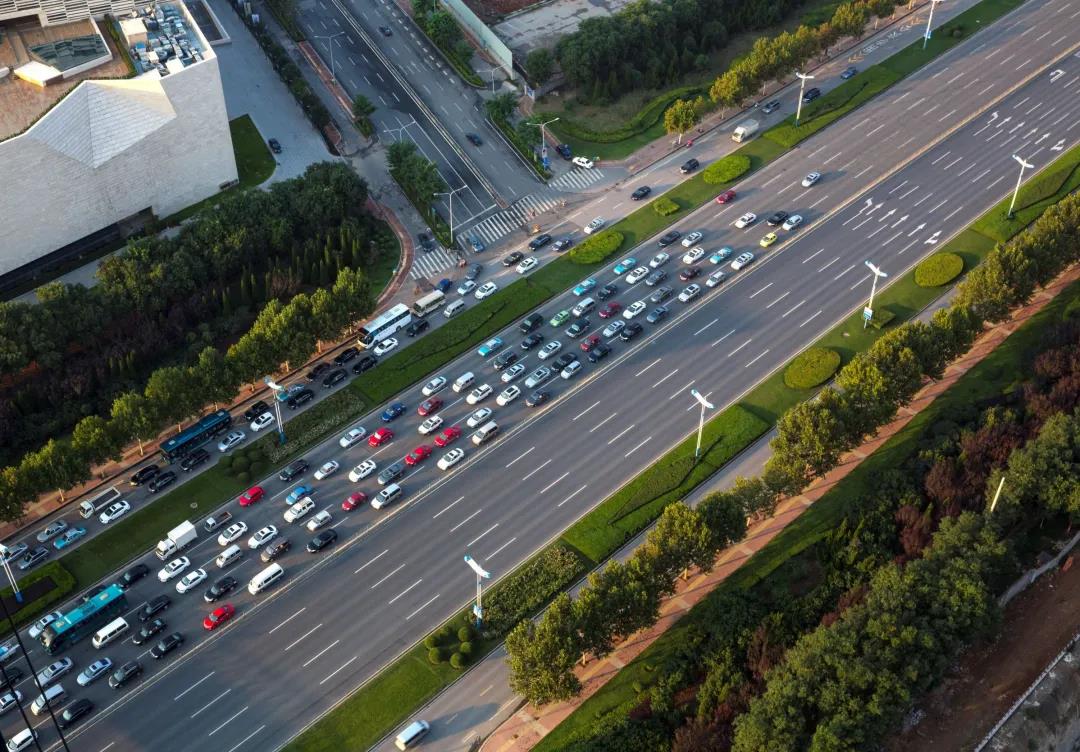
596, 248
812, 367
419, 178
727, 169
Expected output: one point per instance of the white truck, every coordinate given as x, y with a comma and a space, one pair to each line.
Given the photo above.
744, 131
91, 507
179, 538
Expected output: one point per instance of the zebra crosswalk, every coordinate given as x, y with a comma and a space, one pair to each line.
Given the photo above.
576, 178
431, 263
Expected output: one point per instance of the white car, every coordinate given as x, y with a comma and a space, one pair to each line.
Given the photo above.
466, 287
571, 370
689, 293
743, 260
328, 469
264, 420
479, 394
508, 395
190, 580
434, 386
585, 162
385, 346
810, 179
431, 424
485, 290
114, 512
352, 438
693, 255
512, 372
39, 626
692, 238
549, 349
451, 458
299, 510
593, 226
635, 309
637, 275
792, 222
613, 328
659, 260
173, 569
528, 265
232, 533
361, 471
262, 537
320, 520
538, 377
715, 279
478, 417
232, 438
746, 220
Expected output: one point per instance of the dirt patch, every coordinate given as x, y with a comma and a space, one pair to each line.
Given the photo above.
990, 677
492, 10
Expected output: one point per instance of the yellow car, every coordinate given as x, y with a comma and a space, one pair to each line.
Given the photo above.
768, 240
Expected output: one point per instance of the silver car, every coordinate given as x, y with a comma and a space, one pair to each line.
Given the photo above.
52, 530
54, 671
538, 377
93, 672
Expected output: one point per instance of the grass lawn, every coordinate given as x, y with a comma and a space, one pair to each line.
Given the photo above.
383, 271
254, 162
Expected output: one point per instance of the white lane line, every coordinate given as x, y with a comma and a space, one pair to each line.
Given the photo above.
940, 158
786, 187
546, 488
318, 655
239, 744
755, 360
875, 232
957, 77
810, 258
643, 443
950, 215
907, 193
820, 200
282, 624
534, 472
861, 172
829, 264
526, 453
717, 342
894, 190
498, 550
778, 300
571, 496
792, 309
682, 389
834, 156
744, 344
620, 434
871, 133
605, 420
204, 707
980, 176
430, 601
226, 723
455, 527
110, 745
991, 186
928, 195
447, 508
403, 592
387, 577
372, 561
913, 242
699, 331
661, 381
763, 289
306, 634
938, 206
197, 683
587, 409
891, 239
809, 319
841, 274
338, 670
859, 282
967, 169
482, 535
646, 368
952, 163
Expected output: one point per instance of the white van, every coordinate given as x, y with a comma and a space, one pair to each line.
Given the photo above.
485, 432
53, 696
464, 381
265, 579
454, 308
412, 735
584, 307
22, 740
110, 632
386, 496
229, 556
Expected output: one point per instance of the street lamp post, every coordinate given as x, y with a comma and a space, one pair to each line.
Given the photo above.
278, 389
803, 78
997, 494
929, 20
1016, 192
868, 312
705, 405
543, 140
331, 37
492, 71
481, 575
451, 195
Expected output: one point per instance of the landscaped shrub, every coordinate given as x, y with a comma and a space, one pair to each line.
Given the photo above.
882, 317
938, 270
465, 648
240, 463
727, 169
528, 587
466, 633
258, 469
225, 463
309, 426
244, 477
664, 206
596, 248
431, 641
646, 117
811, 368
457, 660
62, 579
436, 656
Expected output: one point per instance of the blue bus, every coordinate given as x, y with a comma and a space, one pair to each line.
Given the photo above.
84, 620
194, 437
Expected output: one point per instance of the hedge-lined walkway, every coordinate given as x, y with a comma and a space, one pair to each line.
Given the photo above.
525, 728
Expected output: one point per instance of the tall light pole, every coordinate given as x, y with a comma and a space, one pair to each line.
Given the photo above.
997, 494
868, 312
803, 78
543, 140
1016, 192
929, 20
481, 575
278, 390
451, 195
492, 71
705, 405
331, 37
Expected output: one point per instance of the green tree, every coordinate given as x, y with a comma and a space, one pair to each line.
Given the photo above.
680, 117
442, 29
1043, 477
849, 19
501, 107
540, 64
135, 418
811, 436
680, 540
362, 107
172, 393
541, 655
729, 89
55, 466
214, 380
94, 440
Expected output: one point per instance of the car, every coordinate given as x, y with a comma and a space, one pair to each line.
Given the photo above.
221, 588
74, 712
571, 370
578, 328
125, 674
508, 395
429, 406
69, 538
539, 241
218, 616
426, 243
478, 417
689, 166
14, 551
485, 290
299, 510
256, 409
321, 541
385, 346
451, 458
593, 226
584, 286
599, 352
849, 72
721, 254
298, 398
527, 265
252, 495
811, 94
689, 293
655, 278
322, 518
532, 341
91, 673
630, 331
161, 481
537, 398
473, 272
770, 107
637, 275
584, 162
640, 193
394, 411
54, 671
792, 222
33, 558
513, 258
96, 589
562, 244
531, 322
715, 279
39, 626
492, 345
693, 255
479, 394
317, 371
776, 218
726, 197
294, 470
538, 377
366, 363
167, 645
148, 631
549, 349
659, 260
606, 291
767, 240
10, 700
154, 606
590, 342
610, 310
353, 500
51, 530
262, 536
743, 260
448, 436
474, 139
173, 569
144, 475
634, 309
133, 575
275, 145
564, 360
560, 318
380, 437
261, 422
275, 550
668, 238
746, 220
429, 425
661, 294
811, 179
352, 437
232, 533
346, 356
465, 288
361, 471
657, 315
194, 459
417, 327
564, 151
613, 328
418, 455
338, 375
689, 273
625, 265
691, 239
512, 372
114, 511
327, 469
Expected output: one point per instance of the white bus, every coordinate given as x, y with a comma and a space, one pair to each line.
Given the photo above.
378, 329
430, 302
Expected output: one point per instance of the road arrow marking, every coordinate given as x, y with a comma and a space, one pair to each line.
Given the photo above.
876, 207
1042, 138
1058, 146
899, 222
916, 229
887, 214
993, 116
1004, 121
932, 239
1056, 74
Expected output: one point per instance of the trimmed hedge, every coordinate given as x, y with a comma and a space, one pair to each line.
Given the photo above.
61, 577
529, 587
938, 270
305, 429
664, 206
811, 368
727, 169
647, 116
596, 248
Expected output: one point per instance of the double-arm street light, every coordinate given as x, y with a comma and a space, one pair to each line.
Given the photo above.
279, 390
481, 575
331, 37
705, 405
868, 312
451, 195
803, 78
543, 133
929, 19
1016, 192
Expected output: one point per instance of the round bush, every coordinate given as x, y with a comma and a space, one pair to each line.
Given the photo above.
596, 248
225, 462
465, 634
938, 270
726, 169
240, 463
443, 634
258, 469
465, 648
244, 477
664, 206
431, 642
457, 660
811, 368
436, 656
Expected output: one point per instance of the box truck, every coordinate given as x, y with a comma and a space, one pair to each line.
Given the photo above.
179, 538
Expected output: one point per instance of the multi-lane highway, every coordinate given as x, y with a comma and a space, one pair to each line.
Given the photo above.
339, 616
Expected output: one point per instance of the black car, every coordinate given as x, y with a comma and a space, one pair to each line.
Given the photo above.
669, 238
153, 606
640, 193
301, 397
537, 398
146, 474
293, 471
275, 550
513, 259
564, 360
849, 72
474, 139
811, 94
193, 460
539, 241
578, 328
256, 410
777, 218
564, 151
392, 472
689, 273
346, 355
133, 575
224, 586
416, 327
385, 31
365, 363
32, 558
275, 145
426, 243
657, 315
321, 541
656, 278
532, 341
504, 359
163, 480
689, 166
73, 712
474, 271
630, 331
606, 292
562, 244
334, 378
166, 645
599, 352
124, 674
317, 372
530, 323
11, 676
147, 631
661, 294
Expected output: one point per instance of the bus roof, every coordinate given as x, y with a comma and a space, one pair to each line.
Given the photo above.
379, 321
87, 610
213, 419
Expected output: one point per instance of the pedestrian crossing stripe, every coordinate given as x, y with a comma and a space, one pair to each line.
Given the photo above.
430, 264
577, 179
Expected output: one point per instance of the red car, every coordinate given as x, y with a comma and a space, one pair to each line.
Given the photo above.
447, 436
590, 343
418, 455
725, 197
427, 407
354, 500
380, 437
610, 310
218, 616
251, 495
